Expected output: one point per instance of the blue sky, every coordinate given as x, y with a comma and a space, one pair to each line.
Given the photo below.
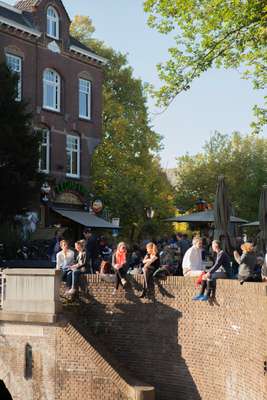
219, 100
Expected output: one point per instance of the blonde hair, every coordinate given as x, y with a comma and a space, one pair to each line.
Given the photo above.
120, 245
153, 247
247, 247
81, 243
196, 240
63, 241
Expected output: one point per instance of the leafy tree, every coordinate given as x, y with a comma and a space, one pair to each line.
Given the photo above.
19, 150
208, 33
243, 162
126, 172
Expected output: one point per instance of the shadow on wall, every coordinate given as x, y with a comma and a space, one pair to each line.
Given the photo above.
143, 336
4, 393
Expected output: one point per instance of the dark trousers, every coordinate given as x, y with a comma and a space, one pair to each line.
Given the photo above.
148, 273
210, 286
119, 275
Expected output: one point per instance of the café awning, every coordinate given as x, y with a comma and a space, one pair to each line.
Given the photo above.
254, 223
85, 218
202, 217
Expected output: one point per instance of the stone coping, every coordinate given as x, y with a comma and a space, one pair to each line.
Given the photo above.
31, 272
29, 317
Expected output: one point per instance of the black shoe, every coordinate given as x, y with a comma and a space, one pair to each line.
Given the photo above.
143, 294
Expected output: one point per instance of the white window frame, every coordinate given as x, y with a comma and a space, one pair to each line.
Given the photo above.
11, 59
85, 88
47, 145
71, 151
50, 21
56, 85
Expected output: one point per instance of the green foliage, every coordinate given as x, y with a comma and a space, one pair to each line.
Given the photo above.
207, 33
243, 162
19, 150
126, 172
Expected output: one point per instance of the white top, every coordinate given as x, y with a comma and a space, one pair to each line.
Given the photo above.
192, 260
65, 261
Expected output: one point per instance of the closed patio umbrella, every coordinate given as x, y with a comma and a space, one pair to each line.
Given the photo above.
222, 212
263, 220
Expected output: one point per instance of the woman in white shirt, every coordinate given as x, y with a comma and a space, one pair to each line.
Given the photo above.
192, 261
65, 258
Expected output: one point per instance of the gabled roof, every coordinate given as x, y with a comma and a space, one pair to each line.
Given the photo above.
26, 5
22, 20
77, 43
17, 17
21, 17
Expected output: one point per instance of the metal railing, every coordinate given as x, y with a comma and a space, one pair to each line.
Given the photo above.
2, 288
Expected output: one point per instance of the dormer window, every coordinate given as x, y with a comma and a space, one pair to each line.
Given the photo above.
52, 23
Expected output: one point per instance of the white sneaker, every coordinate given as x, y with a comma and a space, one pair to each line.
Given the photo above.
71, 291
114, 291
123, 281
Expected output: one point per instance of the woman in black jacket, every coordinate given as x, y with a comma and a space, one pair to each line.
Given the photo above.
151, 263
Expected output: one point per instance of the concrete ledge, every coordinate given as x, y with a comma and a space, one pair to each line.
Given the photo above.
29, 317
31, 294
144, 393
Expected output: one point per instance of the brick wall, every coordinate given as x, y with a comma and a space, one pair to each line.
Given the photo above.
65, 365
187, 350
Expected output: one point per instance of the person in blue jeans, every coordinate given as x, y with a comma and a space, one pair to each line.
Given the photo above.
220, 270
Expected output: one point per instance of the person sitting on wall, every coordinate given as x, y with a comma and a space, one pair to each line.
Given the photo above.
65, 259
192, 261
120, 265
220, 270
247, 264
105, 268
73, 277
151, 263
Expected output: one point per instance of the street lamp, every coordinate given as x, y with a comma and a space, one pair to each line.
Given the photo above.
45, 190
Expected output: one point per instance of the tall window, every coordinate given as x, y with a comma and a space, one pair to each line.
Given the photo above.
52, 23
15, 64
84, 99
73, 156
44, 151
51, 90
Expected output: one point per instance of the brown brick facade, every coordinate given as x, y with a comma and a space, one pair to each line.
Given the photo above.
36, 57
187, 350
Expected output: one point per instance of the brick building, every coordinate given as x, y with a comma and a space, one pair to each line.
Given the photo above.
61, 79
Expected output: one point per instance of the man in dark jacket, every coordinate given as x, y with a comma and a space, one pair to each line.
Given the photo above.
91, 249
220, 270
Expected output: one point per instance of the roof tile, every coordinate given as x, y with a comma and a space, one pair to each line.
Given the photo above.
26, 5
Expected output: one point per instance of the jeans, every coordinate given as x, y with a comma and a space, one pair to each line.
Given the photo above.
73, 279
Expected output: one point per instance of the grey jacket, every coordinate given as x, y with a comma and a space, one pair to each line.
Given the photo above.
247, 265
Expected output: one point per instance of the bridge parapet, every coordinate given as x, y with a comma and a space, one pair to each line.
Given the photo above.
30, 295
